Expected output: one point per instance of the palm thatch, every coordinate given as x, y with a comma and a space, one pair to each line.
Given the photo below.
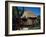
28, 14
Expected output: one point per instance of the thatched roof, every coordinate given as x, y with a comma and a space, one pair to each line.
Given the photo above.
28, 14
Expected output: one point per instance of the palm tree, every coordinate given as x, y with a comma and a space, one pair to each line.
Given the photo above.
17, 13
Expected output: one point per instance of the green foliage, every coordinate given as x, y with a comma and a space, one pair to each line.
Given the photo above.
37, 23
17, 12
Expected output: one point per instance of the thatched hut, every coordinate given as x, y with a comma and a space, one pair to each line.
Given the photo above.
30, 18
27, 20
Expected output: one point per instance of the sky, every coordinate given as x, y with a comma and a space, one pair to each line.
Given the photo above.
35, 10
